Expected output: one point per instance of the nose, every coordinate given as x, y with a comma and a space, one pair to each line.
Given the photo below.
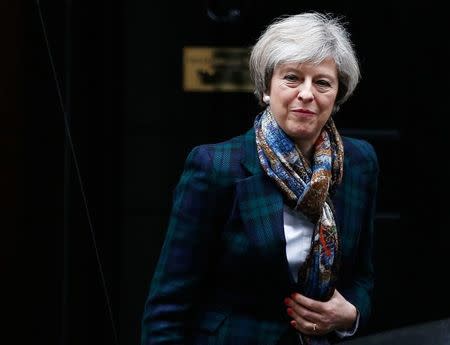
305, 92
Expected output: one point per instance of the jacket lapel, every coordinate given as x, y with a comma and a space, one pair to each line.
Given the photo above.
261, 205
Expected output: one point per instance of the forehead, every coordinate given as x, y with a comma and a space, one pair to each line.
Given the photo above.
326, 67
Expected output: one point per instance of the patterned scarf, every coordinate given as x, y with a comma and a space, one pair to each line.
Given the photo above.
307, 189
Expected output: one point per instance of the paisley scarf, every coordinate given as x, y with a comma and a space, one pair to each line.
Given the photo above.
307, 189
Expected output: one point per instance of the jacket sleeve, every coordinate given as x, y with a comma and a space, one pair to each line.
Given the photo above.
185, 253
359, 290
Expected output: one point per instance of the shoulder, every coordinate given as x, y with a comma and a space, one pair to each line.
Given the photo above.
223, 158
359, 152
221, 150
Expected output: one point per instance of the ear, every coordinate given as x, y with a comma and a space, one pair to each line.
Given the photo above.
266, 98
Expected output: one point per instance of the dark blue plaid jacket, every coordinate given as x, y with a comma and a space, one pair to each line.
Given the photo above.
222, 274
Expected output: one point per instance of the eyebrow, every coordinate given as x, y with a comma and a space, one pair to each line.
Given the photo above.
320, 75
325, 75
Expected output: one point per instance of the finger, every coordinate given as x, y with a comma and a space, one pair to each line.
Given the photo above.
305, 313
305, 327
308, 303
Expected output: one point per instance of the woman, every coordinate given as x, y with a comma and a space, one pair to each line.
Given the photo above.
270, 236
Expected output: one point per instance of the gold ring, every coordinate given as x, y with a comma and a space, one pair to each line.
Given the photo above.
314, 327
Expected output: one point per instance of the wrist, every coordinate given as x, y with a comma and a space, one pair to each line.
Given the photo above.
350, 320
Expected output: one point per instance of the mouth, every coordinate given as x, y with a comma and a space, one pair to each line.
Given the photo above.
303, 114
303, 111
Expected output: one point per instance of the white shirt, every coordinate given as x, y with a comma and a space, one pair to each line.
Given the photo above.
298, 231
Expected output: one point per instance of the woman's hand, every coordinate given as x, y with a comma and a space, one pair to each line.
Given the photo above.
319, 318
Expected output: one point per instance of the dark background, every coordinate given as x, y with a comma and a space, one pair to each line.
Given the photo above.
119, 66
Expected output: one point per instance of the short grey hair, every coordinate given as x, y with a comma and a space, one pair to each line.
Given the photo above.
306, 37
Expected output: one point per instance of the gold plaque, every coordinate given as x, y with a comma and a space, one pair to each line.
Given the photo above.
209, 69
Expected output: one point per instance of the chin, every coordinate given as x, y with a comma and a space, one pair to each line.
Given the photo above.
300, 134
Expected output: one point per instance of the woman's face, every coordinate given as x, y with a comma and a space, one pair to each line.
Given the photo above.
302, 97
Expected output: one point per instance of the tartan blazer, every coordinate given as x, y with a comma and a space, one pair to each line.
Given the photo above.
222, 273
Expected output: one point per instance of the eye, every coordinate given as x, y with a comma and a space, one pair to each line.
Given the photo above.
323, 83
290, 77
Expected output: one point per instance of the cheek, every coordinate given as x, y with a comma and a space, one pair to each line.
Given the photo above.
287, 98
291, 94
327, 101
282, 100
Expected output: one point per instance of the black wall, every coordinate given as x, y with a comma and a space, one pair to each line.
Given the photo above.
76, 276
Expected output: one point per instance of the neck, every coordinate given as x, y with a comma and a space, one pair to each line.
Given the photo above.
307, 149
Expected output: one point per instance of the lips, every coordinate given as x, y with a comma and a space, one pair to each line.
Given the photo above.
303, 111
